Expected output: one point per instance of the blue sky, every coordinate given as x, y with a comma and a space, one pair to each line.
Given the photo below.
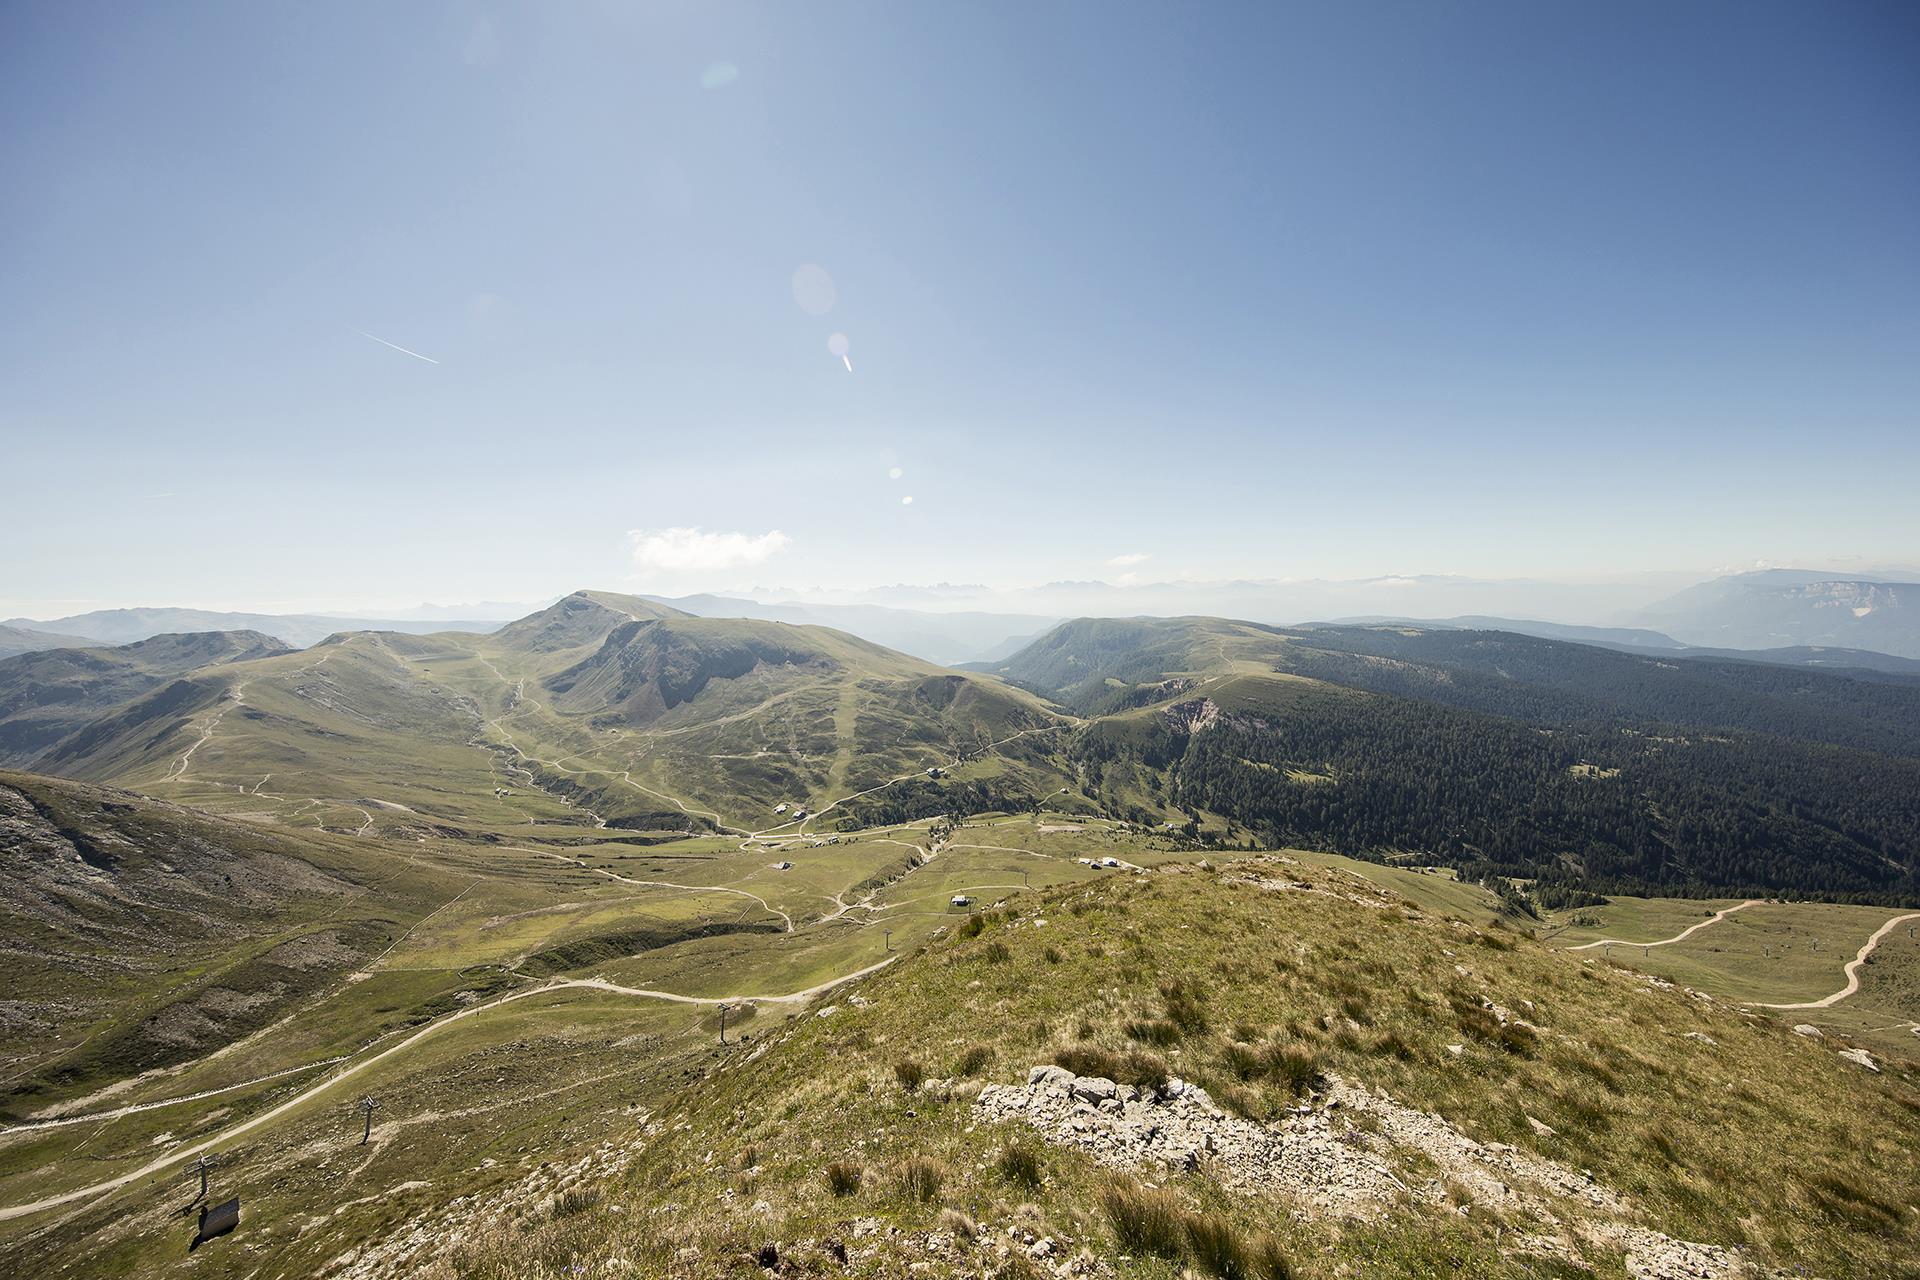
1282, 291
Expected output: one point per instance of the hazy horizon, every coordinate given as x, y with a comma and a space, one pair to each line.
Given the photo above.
1602, 600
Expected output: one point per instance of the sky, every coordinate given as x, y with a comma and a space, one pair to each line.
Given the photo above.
354, 306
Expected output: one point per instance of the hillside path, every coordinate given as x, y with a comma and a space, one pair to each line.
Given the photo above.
1681, 936
266, 1117
1852, 970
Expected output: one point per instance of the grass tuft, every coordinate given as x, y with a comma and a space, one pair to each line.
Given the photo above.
1021, 1164
921, 1177
843, 1177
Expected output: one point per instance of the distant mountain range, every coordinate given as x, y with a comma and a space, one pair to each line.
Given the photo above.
1794, 607
18, 639
1636, 640
1606, 765
124, 626
1787, 616
946, 638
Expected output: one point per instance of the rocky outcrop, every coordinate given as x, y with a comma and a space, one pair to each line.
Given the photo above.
1338, 1154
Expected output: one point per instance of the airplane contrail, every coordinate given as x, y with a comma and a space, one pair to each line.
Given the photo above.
397, 347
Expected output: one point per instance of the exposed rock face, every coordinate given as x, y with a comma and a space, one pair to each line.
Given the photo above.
1191, 717
1320, 1158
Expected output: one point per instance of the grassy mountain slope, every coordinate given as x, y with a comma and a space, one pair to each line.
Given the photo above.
46, 695
126, 626
601, 711
583, 618
1455, 1101
15, 640
143, 935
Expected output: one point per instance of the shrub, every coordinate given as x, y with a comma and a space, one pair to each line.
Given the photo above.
974, 924
1391, 1044
921, 1177
1152, 1031
997, 953
1242, 1059
575, 1200
1134, 1066
1267, 1260
1216, 1245
1292, 1066
909, 1073
1052, 954
1020, 1164
1143, 1220
843, 1177
973, 1059
1183, 1001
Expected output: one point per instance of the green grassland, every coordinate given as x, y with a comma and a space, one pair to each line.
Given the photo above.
1434, 889
599, 720
1768, 953
1631, 919
1782, 1150
512, 1072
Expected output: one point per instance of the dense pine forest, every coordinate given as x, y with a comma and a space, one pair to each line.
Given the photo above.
1611, 810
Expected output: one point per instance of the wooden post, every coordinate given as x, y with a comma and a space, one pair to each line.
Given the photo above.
723, 1024
368, 1105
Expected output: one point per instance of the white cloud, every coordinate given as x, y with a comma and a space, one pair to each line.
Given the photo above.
894, 473
686, 549
1130, 558
907, 501
719, 75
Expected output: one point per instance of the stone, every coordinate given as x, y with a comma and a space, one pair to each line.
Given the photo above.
1860, 1056
1094, 1088
1808, 1029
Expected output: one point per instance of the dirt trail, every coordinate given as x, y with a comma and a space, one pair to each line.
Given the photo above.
246, 1126
955, 762
136, 1108
238, 696
1681, 936
1852, 969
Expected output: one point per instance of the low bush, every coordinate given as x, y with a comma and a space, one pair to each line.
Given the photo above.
909, 1073
575, 1200
843, 1177
1020, 1163
921, 1177
1184, 1002
1158, 1031
1292, 1066
1131, 1066
1145, 1220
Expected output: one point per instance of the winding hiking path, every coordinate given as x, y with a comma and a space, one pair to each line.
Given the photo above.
1852, 969
1681, 936
135, 1108
267, 1117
